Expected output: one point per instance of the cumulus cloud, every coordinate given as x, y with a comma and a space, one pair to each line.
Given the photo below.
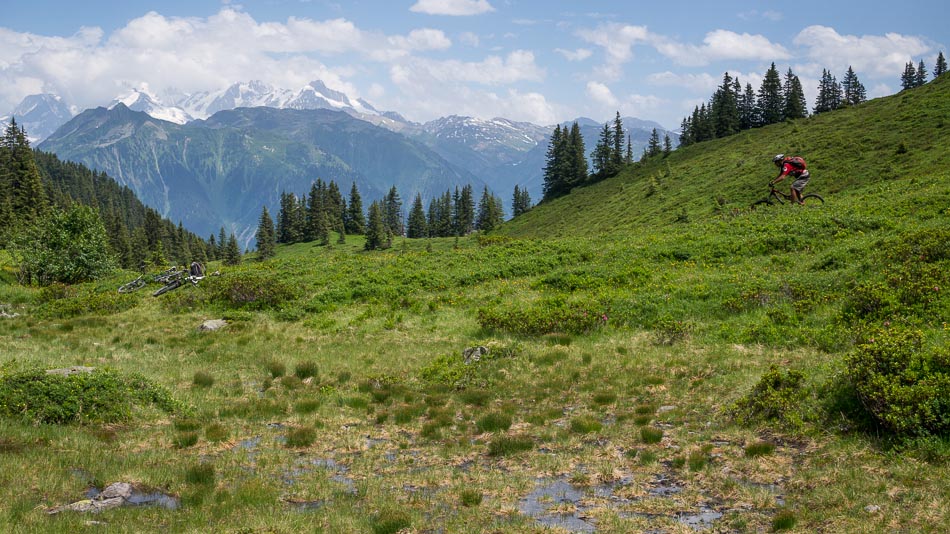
601, 94
575, 55
877, 55
494, 70
452, 7
721, 45
424, 39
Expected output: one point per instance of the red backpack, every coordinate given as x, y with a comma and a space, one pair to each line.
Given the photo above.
796, 162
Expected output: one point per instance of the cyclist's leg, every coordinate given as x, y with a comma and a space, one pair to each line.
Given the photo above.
798, 186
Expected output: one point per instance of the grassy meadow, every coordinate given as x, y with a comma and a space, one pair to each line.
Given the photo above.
628, 326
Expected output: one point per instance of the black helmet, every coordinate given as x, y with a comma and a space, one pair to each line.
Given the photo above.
778, 159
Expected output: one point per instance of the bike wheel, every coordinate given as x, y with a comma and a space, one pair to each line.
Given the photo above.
166, 289
134, 285
811, 197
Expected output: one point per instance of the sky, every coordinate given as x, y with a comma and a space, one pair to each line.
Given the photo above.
538, 61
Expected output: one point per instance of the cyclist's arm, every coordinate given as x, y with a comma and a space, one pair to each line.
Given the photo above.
786, 169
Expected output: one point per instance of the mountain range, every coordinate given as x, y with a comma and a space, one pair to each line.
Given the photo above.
211, 159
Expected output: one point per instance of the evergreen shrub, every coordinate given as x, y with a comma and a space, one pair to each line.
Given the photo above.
778, 396
100, 396
249, 291
903, 384
545, 317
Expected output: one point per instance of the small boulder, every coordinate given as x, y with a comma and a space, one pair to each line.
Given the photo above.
212, 325
74, 370
474, 354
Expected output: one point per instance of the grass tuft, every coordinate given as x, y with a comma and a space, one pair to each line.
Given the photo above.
301, 437
203, 379
651, 435
508, 445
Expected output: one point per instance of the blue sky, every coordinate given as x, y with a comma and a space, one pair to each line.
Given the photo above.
542, 62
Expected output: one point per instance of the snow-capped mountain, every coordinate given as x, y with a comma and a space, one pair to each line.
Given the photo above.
40, 115
480, 134
143, 100
315, 95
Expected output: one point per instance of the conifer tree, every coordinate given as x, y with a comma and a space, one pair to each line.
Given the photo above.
796, 107
355, 219
909, 77
232, 252
266, 236
577, 154
222, 243
392, 212
553, 181
24, 198
667, 145
465, 211
490, 212
603, 153
853, 89
616, 154
628, 156
921, 78
724, 109
416, 224
771, 101
941, 65
747, 109
520, 202
653, 145
376, 230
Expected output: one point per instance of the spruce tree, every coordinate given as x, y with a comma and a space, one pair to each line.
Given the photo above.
748, 117
909, 77
724, 109
266, 236
667, 145
232, 252
222, 243
771, 101
578, 156
941, 66
392, 212
355, 219
616, 154
490, 212
796, 107
416, 224
628, 156
376, 231
685, 127
653, 145
921, 74
853, 89
553, 181
25, 199
603, 153
465, 211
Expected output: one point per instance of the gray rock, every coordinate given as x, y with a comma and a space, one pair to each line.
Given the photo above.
117, 489
872, 508
664, 409
212, 325
74, 370
474, 354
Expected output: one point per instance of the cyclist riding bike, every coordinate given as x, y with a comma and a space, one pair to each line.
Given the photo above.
792, 166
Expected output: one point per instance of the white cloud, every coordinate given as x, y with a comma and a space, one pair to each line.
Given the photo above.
601, 94
703, 82
423, 39
880, 56
575, 55
721, 45
469, 38
452, 7
494, 70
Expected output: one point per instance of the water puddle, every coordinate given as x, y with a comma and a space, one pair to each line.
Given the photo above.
703, 520
558, 495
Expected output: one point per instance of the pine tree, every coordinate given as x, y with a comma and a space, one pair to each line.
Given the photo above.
603, 153
465, 211
628, 156
355, 219
653, 145
853, 89
24, 197
490, 212
266, 236
941, 66
748, 117
685, 130
553, 181
724, 109
392, 212
771, 101
577, 156
376, 231
616, 154
667, 145
520, 202
232, 252
796, 107
222, 243
921, 78
909, 77
416, 224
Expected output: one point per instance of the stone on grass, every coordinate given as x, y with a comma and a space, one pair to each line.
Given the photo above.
474, 354
212, 325
67, 371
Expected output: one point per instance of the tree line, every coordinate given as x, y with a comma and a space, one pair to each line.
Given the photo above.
566, 165
64, 222
323, 211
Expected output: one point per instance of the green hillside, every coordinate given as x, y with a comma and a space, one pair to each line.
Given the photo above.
887, 153
658, 357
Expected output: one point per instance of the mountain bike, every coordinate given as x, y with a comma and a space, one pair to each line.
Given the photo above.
177, 278
780, 197
134, 285
140, 282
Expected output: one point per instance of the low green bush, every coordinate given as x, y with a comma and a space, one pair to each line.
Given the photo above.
902, 383
552, 315
778, 396
249, 291
493, 422
305, 369
63, 302
585, 424
506, 445
100, 396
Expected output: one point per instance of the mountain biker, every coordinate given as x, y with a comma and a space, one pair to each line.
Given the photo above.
795, 167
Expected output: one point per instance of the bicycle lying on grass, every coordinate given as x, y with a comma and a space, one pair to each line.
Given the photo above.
780, 197
170, 279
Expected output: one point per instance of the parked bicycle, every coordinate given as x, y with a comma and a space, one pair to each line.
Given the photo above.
780, 197
170, 279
